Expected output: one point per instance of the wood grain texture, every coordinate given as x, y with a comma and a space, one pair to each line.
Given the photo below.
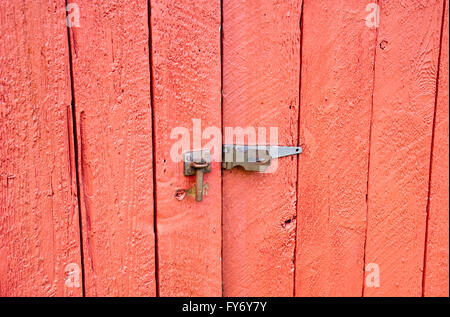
110, 52
335, 111
436, 281
186, 72
404, 99
261, 70
39, 232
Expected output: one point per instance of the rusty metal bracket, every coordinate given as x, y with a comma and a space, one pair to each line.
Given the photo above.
254, 158
197, 163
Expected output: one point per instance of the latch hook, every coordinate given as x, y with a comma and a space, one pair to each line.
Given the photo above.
197, 163
255, 158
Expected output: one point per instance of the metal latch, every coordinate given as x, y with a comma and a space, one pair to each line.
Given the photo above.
197, 163
254, 158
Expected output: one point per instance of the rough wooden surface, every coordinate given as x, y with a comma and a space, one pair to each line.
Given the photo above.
261, 64
186, 72
436, 282
335, 111
110, 52
404, 99
39, 232
371, 187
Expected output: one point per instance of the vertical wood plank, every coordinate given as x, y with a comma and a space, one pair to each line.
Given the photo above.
39, 231
335, 111
261, 70
436, 282
187, 76
110, 56
404, 99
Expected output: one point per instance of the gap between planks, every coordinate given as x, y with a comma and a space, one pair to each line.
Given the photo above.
430, 170
76, 156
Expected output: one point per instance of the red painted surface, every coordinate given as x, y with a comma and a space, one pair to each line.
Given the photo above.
111, 74
261, 63
39, 232
335, 112
436, 282
369, 106
402, 126
186, 86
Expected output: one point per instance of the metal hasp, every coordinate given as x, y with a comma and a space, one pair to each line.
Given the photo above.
197, 163
254, 158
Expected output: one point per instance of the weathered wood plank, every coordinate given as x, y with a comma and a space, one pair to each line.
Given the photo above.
39, 231
261, 70
404, 99
186, 86
335, 111
436, 282
110, 52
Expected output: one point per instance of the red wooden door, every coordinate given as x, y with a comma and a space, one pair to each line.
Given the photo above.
186, 97
335, 112
404, 103
111, 94
39, 226
96, 117
436, 273
261, 66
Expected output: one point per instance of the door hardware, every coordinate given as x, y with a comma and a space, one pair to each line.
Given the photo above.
253, 158
180, 194
197, 163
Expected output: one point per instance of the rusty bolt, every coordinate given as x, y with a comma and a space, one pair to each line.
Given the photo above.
180, 194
